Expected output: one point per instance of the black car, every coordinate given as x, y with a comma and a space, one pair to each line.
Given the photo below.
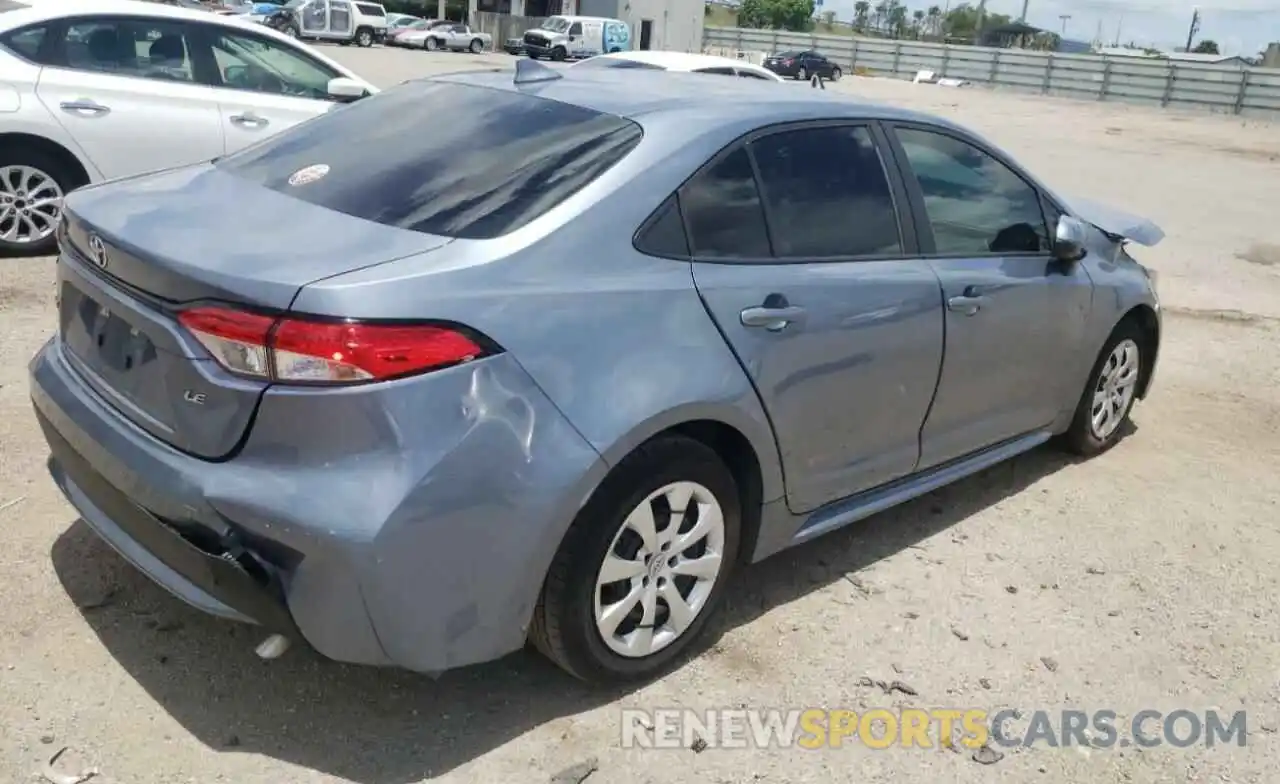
802, 65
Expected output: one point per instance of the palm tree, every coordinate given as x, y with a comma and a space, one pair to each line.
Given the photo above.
935, 19
860, 11
898, 20
917, 22
880, 15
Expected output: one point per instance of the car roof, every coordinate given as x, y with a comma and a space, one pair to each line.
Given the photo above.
635, 93
676, 61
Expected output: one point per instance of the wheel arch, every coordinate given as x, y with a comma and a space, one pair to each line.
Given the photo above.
1148, 323
18, 139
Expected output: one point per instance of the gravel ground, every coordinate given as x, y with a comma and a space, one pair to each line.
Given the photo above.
1145, 578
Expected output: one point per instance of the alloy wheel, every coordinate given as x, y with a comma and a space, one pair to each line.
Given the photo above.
30, 204
660, 569
1114, 390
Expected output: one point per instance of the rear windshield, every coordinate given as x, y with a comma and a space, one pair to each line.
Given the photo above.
461, 161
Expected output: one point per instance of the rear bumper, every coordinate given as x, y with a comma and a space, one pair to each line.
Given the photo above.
375, 541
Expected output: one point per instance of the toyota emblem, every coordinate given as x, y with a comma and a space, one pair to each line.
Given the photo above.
98, 251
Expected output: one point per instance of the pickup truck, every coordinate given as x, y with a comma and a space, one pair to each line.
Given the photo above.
457, 37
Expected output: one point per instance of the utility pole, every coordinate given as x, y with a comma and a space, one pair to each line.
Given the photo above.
1097, 37
1023, 18
1195, 28
1119, 25
1064, 18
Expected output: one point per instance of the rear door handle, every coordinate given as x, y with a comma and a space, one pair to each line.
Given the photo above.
249, 120
84, 107
774, 319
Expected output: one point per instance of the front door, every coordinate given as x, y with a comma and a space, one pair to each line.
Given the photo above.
126, 91
341, 19
1015, 315
267, 85
811, 278
315, 18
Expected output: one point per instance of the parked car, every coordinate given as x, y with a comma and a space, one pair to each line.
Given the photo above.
414, 35
396, 21
802, 65
513, 46
108, 88
571, 37
615, 337
457, 37
679, 61
341, 21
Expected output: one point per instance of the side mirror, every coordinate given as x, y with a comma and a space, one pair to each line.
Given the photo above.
1069, 239
345, 90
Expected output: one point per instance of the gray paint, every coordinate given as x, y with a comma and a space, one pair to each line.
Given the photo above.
428, 509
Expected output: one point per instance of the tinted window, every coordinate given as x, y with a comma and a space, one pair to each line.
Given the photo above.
575, 28
616, 62
722, 210
717, 70
827, 193
976, 205
151, 49
246, 62
488, 171
25, 42
752, 75
371, 10
663, 234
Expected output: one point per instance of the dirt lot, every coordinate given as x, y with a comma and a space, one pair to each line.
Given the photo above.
1148, 576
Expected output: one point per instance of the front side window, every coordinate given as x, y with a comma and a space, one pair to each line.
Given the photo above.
575, 28
490, 170
827, 194
975, 204
247, 62
722, 210
150, 49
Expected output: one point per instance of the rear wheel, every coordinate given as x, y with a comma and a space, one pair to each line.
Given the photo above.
1108, 398
32, 186
643, 566
477, 46
364, 37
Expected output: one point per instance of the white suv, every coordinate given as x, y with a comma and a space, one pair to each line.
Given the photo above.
100, 89
371, 16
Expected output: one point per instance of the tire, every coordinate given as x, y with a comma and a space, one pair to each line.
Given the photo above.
1119, 388
531, 55
292, 32
477, 46
431, 45
559, 54
836, 73
364, 37
59, 178
802, 75
564, 625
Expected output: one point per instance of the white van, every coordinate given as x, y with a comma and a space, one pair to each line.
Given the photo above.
564, 37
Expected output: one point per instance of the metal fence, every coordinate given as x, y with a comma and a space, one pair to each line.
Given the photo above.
1159, 82
504, 26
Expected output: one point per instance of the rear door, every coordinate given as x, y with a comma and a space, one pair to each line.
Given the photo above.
1014, 313
127, 89
804, 254
264, 86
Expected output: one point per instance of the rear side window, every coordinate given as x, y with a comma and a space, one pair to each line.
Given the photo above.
371, 10
720, 70
827, 193
490, 170
26, 42
722, 210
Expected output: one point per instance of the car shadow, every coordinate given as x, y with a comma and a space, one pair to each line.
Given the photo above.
385, 726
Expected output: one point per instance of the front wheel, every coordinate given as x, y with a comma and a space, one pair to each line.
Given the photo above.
477, 46
643, 566
559, 54
1108, 398
431, 45
365, 38
836, 73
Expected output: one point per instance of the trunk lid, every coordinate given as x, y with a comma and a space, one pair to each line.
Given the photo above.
134, 254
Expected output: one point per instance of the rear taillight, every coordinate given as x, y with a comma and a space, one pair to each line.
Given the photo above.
303, 351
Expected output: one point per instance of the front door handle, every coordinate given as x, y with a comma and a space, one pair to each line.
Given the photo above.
966, 304
249, 120
85, 107
774, 319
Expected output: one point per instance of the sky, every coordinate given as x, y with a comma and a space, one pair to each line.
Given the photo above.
1243, 27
